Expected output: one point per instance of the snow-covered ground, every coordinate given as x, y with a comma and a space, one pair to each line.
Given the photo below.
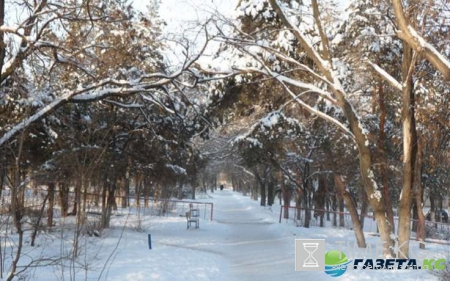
243, 242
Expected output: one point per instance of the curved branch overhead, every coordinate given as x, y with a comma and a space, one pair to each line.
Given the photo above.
410, 35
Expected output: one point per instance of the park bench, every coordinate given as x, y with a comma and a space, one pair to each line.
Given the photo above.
193, 217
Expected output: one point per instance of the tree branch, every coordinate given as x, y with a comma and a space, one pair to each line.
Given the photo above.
386, 76
408, 34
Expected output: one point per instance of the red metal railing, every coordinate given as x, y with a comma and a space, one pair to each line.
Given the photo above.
433, 230
173, 206
197, 204
145, 206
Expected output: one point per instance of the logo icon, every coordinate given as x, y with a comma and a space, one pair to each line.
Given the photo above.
310, 260
309, 254
335, 263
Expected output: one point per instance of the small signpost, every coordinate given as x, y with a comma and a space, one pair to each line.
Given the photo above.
150, 241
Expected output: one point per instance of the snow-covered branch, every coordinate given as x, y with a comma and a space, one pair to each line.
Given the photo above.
323, 65
386, 76
245, 170
290, 81
278, 54
123, 105
318, 112
94, 92
29, 26
418, 43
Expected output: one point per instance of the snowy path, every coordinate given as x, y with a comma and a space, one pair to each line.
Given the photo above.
245, 242
252, 247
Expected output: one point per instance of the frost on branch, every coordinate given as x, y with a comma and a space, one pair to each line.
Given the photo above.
177, 170
274, 127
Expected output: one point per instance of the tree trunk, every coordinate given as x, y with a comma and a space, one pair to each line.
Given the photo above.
111, 203
307, 208
122, 193
415, 217
97, 195
145, 187
18, 254
77, 198
180, 190
2, 175
270, 193
306, 193
384, 170
321, 192
83, 204
285, 194
345, 195
51, 203
137, 190
432, 203
64, 198
38, 222
421, 231
341, 211
255, 192
327, 200
271, 190
204, 186
334, 206
298, 203
194, 182
2, 36
262, 191
104, 201
363, 214
126, 191
17, 206
360, 137
409, 153
262, 187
